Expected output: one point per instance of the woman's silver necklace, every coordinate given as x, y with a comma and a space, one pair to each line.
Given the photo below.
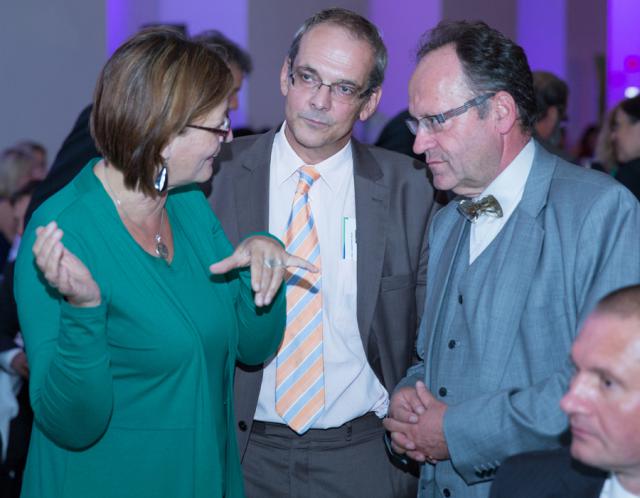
161, 248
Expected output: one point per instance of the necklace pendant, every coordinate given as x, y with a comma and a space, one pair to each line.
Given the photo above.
162, 250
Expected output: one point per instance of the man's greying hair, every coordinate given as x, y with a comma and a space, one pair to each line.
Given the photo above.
622, 303
228, 50
358, 27
490, 61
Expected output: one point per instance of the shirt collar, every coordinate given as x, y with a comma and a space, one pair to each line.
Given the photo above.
616, 490
508, 186
288, 162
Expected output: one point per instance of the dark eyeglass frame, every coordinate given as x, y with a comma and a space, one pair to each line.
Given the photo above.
222, 132
432, 121
358, 95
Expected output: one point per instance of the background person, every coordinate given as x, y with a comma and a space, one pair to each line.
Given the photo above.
16, 416
552, 96
625, 136
18, 166
238, 59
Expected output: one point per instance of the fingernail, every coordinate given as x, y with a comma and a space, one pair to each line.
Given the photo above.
413, 419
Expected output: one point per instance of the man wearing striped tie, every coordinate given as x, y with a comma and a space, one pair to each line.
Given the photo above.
309, 420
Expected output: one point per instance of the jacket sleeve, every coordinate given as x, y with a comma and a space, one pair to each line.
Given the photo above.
260, 329
70, 383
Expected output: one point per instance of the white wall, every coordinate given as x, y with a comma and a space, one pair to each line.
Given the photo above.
50, 56
542, 32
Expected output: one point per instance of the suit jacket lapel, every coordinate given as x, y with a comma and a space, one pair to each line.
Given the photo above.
372, 204
252, 186
446, 236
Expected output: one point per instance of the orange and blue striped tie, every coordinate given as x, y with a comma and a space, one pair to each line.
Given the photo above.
300, 364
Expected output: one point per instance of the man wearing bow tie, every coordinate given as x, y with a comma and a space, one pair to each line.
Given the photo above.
514, 267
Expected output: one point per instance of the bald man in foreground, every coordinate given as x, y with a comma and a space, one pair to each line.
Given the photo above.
603, 405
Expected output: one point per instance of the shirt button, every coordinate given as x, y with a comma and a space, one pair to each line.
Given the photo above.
452, 344
242, 425
446, 492
460, 298
442, 391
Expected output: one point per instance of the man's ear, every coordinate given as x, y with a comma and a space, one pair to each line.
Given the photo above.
505, 111
284, 76
371, 104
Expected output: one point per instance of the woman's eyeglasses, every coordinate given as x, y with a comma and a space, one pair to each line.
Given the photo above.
222, 132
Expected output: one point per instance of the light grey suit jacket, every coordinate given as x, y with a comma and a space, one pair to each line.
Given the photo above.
394, 202
574, 237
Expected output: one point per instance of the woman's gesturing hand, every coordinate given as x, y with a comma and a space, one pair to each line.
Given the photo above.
267, 260
62, 269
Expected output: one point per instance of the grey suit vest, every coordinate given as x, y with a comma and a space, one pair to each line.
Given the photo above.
454, 347
453, 342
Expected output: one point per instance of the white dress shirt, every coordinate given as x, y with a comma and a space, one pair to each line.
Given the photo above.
613, 489
351, 387
507, 188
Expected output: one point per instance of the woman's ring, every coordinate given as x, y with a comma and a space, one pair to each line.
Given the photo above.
272, 263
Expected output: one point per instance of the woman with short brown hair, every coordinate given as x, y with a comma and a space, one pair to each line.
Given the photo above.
131, 341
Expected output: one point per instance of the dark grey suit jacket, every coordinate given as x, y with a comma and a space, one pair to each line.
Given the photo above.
547, 474
394, 202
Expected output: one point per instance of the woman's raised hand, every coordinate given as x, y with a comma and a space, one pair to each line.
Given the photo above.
63, 270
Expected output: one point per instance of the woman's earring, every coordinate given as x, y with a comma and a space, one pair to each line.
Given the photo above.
160, 182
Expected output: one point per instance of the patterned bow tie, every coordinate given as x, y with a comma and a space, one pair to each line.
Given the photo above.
472, 210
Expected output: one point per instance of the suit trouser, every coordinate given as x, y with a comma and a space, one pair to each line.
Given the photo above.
348, 461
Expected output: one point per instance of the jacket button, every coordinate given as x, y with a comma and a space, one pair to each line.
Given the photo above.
460, 298
452, 344
442, 391
446, 492
242, 425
